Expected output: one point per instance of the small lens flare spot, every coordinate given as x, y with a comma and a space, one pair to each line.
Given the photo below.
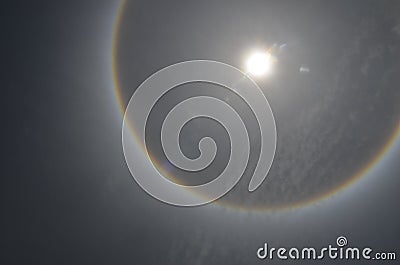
260, 63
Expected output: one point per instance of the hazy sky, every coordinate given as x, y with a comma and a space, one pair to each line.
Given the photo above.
67, 195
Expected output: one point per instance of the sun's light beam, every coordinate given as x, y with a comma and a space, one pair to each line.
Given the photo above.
260, 63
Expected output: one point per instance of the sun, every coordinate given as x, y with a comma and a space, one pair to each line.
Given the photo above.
260, 63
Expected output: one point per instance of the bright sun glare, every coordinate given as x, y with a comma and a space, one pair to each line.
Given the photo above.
260, 63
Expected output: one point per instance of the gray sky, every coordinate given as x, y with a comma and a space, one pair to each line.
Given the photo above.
67, 195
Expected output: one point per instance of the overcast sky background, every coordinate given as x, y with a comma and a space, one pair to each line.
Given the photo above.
67, 196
